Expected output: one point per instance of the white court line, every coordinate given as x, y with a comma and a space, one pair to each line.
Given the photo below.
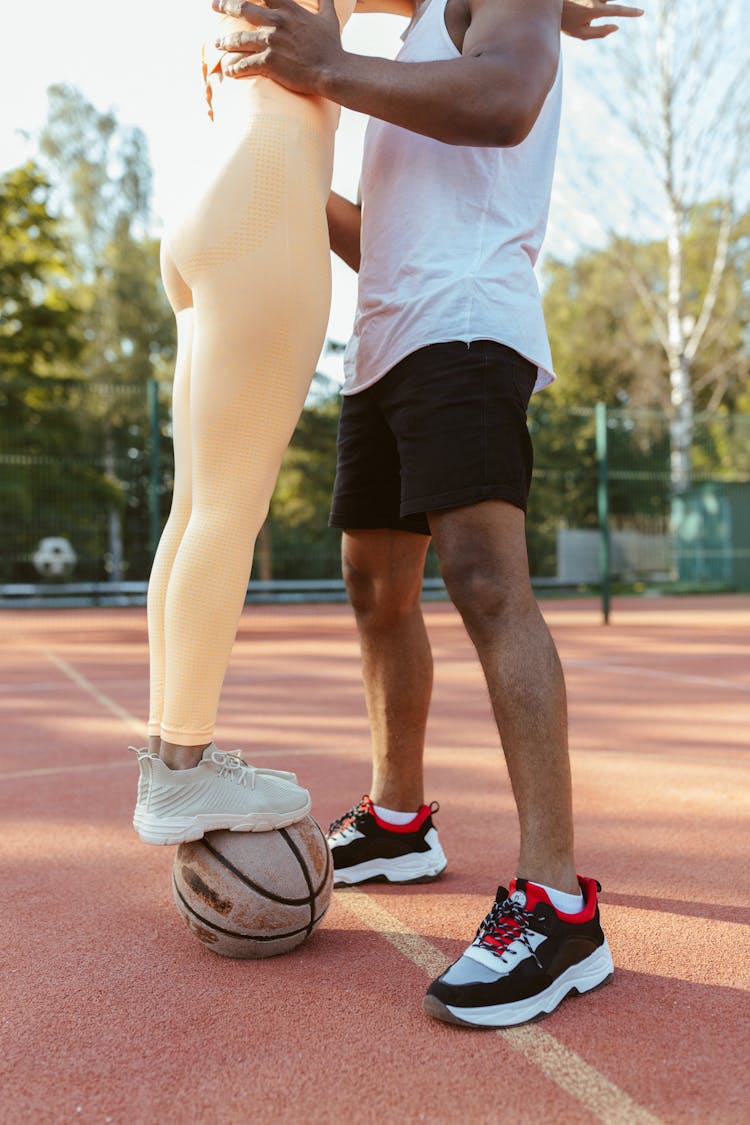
602, 1098
620, 669
50, 771
435, 755
652, 674
51, 685
558, 1063
133, 724
103, 700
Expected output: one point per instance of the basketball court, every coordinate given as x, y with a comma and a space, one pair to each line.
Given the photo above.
114, 1012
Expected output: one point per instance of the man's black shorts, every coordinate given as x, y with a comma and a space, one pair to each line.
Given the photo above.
446, 427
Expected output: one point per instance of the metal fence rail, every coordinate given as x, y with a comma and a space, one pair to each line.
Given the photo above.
80, 525
77, 595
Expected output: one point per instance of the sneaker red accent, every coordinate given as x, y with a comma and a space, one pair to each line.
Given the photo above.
365, 847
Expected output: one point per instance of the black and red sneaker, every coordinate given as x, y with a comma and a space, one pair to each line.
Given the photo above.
526, 958
366, 849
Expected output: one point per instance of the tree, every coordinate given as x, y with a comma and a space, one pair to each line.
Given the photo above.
605, 350
686, 106
297, 542
40, 337
103, 192
102, 174
41, 340
603, 339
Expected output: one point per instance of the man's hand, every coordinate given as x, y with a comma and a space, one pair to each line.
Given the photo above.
578, 15
298, 48
490, 95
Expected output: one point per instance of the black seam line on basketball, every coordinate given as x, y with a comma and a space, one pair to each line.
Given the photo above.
329, 859
233, 933
311, 896
249, 883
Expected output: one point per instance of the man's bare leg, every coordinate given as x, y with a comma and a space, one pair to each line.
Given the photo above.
383, 570
482, 551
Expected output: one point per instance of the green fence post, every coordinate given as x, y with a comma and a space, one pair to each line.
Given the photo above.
153, 483
602, 506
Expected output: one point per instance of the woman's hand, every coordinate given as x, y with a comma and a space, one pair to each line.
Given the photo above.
577, 17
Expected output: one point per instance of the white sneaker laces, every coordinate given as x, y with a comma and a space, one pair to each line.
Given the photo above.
232, 766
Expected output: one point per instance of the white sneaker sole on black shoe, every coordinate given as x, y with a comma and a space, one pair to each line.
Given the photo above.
596, 971
527, 956
414, 868
368, 849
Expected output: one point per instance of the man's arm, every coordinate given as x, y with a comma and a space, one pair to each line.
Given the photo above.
490, 96
344, 228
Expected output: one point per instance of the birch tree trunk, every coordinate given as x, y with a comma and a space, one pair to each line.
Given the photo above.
684, 99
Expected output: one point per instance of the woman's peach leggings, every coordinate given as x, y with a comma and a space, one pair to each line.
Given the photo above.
247, 272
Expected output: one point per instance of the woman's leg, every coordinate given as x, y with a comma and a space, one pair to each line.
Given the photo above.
181, 300
247, 385
253, 255
251, 369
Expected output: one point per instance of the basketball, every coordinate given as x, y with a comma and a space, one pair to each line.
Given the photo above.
254, 894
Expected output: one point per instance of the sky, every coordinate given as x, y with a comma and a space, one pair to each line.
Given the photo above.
140, 59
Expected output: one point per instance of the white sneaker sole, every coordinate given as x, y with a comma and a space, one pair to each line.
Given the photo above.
180, 830
594, 972
415, 868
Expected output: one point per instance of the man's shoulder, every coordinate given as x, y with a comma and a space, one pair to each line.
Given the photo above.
513, 12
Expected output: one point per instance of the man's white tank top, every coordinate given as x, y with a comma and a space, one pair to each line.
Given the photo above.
450, 234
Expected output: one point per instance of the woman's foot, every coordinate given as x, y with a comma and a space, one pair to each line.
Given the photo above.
222, 791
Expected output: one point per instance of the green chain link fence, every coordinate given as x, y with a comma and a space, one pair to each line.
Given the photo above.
80, 524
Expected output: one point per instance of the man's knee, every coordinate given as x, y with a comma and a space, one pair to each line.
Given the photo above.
483, 560
380, 592
472, 586
483, 590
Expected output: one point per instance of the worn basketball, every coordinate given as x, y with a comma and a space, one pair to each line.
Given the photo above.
254, 894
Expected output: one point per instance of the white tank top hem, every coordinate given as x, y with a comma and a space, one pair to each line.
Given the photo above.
450, 234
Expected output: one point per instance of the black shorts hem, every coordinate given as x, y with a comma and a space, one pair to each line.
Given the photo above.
415, 522
464, 498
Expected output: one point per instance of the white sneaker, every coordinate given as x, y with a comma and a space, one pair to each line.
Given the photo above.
222, 791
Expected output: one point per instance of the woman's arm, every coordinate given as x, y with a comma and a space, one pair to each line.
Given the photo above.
344, 226
578, 14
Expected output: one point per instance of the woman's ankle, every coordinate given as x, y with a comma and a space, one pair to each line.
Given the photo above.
181, 757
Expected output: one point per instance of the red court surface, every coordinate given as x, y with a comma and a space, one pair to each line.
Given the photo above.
113, 1012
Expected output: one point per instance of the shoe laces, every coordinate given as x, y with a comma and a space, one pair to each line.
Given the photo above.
232, 766
349, 821
506, 922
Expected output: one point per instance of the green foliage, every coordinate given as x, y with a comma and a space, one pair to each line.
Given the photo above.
40, 336
302, 543
305, 481
85, 326
599, 311
102, 174
42, 434
606, 349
